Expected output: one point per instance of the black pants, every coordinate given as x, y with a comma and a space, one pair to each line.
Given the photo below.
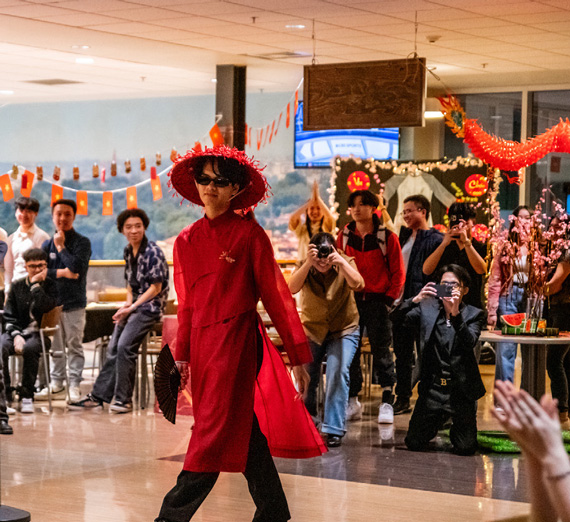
558, 358
31, 354
404, 351
374, 317
192, 488
434, 406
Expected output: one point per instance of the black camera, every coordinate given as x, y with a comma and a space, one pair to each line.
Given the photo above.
455, 219
324, 250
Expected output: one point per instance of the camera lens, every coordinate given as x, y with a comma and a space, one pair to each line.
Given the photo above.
324, 251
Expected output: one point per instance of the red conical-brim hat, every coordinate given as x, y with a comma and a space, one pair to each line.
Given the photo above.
182, 177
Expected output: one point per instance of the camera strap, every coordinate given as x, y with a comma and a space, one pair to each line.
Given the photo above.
380, 238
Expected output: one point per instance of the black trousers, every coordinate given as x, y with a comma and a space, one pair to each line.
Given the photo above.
404, 351
192, 488
434, 406
31, 354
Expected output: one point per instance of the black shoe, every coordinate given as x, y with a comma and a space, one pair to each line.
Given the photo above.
89, 403
402, 406
333, 441
5, 428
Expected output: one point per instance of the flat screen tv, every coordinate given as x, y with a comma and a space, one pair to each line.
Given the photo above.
317, 148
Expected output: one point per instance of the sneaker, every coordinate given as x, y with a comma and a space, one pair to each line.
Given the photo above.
10, 411
386, 414
74, 394
57, 392
333, 441
88, 403
354, 409
121, 407
402, 406
27, 406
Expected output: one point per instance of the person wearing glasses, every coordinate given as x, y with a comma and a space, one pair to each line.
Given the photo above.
418, 241
246, 408
28, 299
450, 383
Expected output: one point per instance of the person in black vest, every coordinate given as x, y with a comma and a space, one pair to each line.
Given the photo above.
450, 382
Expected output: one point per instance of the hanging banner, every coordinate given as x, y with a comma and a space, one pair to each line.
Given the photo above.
156, 189
6, 186
56, 193
107, 204
132, 197
82, 203
26, 189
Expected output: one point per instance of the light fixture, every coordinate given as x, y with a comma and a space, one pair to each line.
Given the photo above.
84, 60
80, 46
214, 80
294, 26
7, 93
430, 115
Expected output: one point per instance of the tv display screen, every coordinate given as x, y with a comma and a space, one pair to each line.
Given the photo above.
317, 148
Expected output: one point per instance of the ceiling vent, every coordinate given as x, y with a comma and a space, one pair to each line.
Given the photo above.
52, 81
284, 55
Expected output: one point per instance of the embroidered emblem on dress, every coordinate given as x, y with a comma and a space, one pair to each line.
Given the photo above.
226, 256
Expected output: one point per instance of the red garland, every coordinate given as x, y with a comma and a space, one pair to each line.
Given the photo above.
514, 155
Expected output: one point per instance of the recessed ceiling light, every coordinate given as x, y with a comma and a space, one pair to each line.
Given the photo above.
81, 47
84, 60
294, 26
7, 93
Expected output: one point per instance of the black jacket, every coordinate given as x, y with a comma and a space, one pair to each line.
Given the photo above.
467, 325
38, 299
424, 245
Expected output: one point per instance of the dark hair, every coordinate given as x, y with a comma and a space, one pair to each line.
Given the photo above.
35, 254
458, 271
225, 167
130, 213
462, 210
68, 202
513, 236
31, 204
322, 238
421, 203
367, 198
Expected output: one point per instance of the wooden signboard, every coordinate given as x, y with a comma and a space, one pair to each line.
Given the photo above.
364, 95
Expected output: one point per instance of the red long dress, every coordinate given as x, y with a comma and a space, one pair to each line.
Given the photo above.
221, 269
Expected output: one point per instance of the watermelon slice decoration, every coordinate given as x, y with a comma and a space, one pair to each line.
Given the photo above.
513, 324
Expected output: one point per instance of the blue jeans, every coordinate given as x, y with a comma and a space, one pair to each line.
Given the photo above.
512, 303
340, 352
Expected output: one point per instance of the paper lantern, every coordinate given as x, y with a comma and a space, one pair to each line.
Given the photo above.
56, 193
6, 186
113, 168
82, 203
132, 197
158, 158
476, 185
216, 135
107, 204
56, 173
127, 166
143, 163
28, 177
40, 172
358, 180
95, 170
156, 189
76, 173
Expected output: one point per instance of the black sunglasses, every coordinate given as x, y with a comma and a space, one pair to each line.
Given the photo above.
203, 179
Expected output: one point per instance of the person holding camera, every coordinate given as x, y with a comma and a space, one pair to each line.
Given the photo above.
461, 248
326, 280
378, 256
450, 382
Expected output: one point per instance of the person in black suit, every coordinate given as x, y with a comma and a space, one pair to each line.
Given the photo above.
450, 382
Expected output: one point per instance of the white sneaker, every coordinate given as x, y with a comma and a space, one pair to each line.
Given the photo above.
27, 406
386, 414
387, 432
57, 392
74, 393
10, 411
354, 409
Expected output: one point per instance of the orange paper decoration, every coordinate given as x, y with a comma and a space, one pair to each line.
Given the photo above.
56, 193
288, 115
296, 100
143, 163
216, 135
113, 168
82, 203
278, 123
76, 173
197, 146
40, 172
173, 154
6, 186
476, 185
26, 189
156, 189
358, 180
107, 204
158, 158
153, 173
272, 131
259, 138
132, 197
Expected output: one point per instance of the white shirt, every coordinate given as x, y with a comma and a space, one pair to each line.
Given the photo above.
18, 243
